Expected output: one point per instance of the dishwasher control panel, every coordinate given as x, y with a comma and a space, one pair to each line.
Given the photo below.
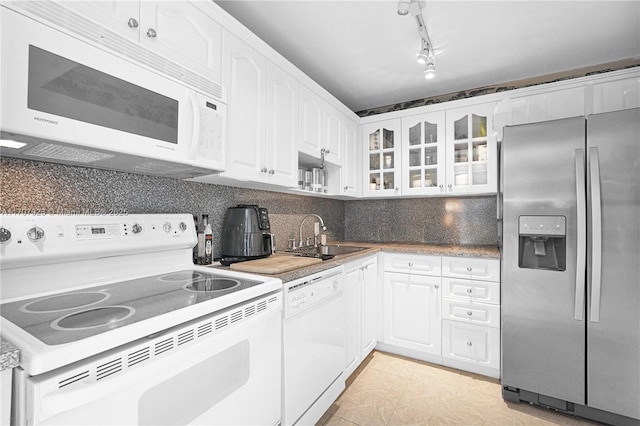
308, 292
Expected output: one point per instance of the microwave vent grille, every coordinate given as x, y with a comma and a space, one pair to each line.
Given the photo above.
67, 153
81, 26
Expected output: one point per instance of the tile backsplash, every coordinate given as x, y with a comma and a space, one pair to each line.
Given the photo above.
38, 187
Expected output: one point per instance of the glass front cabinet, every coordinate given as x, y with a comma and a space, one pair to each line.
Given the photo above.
471, 150
382, 158
423, 156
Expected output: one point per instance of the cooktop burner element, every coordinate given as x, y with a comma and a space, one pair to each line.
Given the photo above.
64, 302
216, 284
92, 318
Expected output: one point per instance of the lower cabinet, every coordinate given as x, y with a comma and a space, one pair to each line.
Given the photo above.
444, 310
412, 311
361, 289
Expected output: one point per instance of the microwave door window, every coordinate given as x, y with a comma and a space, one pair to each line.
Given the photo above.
66, 88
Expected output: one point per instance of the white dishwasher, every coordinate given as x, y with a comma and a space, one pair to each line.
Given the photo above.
313, 346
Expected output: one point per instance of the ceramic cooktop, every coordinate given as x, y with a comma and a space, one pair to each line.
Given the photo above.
71, 316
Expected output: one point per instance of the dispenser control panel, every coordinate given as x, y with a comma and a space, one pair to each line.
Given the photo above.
542, 225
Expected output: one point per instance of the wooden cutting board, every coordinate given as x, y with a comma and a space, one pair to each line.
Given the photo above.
274, 264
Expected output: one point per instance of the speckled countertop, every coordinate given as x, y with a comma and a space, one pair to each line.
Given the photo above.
488, 252
9, 355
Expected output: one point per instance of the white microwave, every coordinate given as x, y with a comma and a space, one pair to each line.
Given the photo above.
73, 100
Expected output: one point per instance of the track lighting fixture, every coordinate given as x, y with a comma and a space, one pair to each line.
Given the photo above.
403, 7
424, 52
426, 55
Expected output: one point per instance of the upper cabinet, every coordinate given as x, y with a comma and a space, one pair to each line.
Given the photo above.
320, 127
423, 154
176, 30
350, 185
262, 117
381, 159
471, 151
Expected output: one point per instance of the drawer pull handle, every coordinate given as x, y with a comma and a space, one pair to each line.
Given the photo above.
469, 313
469, 291
469, 343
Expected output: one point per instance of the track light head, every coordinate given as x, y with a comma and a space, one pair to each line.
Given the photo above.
403, 7
430, 69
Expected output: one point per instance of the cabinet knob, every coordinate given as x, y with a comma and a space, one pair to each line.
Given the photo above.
410, 264
272, 172
469, 313
151, 33
469, 291
450, 187
469, 268
469, 343
437, 286
132, 23
263, 170
441, 188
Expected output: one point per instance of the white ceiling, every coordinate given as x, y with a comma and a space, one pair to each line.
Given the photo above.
364, 53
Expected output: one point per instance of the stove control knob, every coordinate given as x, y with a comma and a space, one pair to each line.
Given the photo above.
5, 235
183, 226
35, 233
167, 227
136, 228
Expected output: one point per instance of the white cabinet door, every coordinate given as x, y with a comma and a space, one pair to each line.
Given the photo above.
616, 95
281, 162
412, 312
312, 122
471, 157
464, 344
245, 77
334, 135
179, 31
369, 279
353, 331
381, 162
350, 160
423, 154
122, 17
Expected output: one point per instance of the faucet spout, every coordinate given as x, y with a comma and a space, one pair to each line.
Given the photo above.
322, 226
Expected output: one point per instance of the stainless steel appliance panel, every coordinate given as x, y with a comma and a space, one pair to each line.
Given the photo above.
543, 343
613, 332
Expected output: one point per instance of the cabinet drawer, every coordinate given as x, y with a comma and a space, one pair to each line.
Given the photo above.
471, 268
478, 313
471, 290
413, 264
471, 343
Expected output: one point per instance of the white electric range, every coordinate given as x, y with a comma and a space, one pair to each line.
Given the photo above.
112, 317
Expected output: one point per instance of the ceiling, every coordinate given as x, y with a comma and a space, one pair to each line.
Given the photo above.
364, 53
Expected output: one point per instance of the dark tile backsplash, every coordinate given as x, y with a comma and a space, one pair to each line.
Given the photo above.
38, 187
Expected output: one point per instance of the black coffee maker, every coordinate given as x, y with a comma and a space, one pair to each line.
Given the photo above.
246, 234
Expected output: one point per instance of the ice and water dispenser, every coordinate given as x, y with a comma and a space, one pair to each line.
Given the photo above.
542, 242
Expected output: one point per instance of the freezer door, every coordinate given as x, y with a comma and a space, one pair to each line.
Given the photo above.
543, 344
613, 330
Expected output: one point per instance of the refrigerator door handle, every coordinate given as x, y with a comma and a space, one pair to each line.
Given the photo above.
581, 261
596, 234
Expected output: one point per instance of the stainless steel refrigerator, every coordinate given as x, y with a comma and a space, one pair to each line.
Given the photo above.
570, 196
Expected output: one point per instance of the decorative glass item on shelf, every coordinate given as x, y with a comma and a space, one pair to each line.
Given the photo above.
374, 141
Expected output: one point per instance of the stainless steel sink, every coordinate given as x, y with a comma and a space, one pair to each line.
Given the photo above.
326, 252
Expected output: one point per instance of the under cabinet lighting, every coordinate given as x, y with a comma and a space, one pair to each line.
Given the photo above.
8, 143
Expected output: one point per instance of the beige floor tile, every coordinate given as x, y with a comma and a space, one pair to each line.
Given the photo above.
367, 410
393, 364
392, 390
380, 384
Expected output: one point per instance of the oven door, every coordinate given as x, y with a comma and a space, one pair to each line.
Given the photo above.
229, 378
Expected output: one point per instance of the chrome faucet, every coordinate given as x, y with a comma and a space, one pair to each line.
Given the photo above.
315, 237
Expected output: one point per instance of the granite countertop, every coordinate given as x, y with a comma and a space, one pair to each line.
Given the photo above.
487, 252
9, 355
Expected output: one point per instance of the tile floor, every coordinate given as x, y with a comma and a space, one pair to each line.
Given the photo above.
391, 390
